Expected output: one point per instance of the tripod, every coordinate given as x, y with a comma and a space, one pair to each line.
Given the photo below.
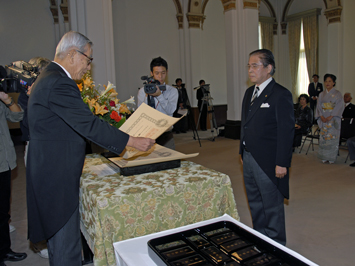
207, 101
189, 115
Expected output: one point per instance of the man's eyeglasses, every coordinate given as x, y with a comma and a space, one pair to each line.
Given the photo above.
254, 66
90, 58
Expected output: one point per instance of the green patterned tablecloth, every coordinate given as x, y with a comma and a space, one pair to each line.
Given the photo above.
115, 208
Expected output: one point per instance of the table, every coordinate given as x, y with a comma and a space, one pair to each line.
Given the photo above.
134, 252
115, 208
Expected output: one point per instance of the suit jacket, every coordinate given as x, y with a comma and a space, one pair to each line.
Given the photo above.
59, 122
312, 91
267, 128
349, 111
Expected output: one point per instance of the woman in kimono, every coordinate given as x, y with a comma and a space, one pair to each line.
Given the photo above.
330, 107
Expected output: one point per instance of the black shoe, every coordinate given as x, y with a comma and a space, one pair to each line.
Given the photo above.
14, 256
2, 263
204, 129
177, 132
183, 131
352, 165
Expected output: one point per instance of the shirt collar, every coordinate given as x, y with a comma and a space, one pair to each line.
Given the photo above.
263, 85
63, 69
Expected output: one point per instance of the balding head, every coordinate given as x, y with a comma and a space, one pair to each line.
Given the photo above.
347, 97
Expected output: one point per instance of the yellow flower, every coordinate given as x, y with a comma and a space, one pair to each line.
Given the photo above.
100, 109
87, 82
124, 109
91, 103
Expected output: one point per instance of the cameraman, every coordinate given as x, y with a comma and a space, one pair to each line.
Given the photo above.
183, 103
201, 102
10, 111
163, 101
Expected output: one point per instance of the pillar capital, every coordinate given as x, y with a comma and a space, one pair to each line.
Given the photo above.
251, 4
228, 5
333, 14
195, 20
180, 19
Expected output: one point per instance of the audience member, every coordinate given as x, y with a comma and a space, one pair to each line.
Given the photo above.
163, 101
330, 107
40, 63
202, 104
267, 131
314, 89
349, 110
12, 112
59, 122
351, 146
183, 103
303, 119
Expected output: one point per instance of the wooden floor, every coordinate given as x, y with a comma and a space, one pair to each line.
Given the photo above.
319, 215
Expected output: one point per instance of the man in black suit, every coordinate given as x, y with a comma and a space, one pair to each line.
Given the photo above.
267, 131
59, 122
349, 110
314, 89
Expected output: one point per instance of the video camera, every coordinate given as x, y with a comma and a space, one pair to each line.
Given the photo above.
17, 77
150, 85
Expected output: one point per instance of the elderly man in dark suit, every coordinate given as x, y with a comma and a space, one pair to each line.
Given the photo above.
314, 89
349, 110
59, 122
267, 131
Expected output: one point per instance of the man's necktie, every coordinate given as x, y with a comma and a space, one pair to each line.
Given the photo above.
151, 101
255, 95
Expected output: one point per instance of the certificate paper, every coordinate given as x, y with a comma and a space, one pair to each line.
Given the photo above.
156, 154
146, 122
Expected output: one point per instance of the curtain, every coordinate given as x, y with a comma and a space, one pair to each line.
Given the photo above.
310, 35
267, 35
294, 35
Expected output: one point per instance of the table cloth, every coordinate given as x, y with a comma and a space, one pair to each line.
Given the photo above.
114, 208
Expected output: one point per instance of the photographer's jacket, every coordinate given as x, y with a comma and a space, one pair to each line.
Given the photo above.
59, 122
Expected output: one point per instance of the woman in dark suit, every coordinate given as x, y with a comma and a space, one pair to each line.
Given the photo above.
303, 119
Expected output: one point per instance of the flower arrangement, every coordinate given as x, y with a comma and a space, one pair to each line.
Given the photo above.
103, 102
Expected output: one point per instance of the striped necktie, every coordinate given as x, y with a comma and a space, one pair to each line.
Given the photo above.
255, 95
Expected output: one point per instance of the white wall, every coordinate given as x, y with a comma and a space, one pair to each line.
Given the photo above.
26, 30
143, 30
213, 61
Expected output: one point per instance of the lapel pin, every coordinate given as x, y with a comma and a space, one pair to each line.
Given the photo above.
265, 96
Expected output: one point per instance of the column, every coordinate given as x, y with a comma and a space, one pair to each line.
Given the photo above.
94, 20
241, 20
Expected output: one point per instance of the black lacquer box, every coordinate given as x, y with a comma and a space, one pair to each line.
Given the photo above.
221, 243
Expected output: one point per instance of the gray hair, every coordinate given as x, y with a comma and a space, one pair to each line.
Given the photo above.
70, 40
39, 62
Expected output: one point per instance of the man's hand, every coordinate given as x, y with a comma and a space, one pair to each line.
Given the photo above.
241, 158
142, 144
297, 126
280, 172
157, 93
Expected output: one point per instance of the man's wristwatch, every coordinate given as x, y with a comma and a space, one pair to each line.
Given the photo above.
11, 103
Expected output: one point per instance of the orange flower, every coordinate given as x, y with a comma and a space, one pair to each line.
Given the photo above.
124, 109
100, 109
115, 116
80, 86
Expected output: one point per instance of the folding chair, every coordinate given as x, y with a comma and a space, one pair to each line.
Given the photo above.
310, 137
